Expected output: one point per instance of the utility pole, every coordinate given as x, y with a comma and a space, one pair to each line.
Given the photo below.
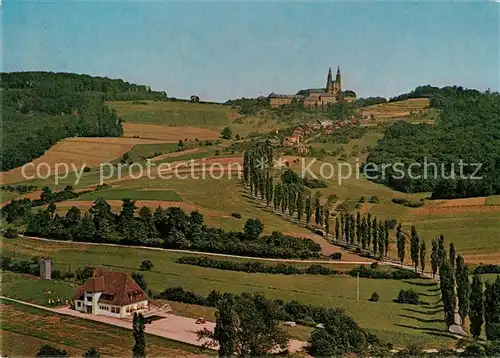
357, 291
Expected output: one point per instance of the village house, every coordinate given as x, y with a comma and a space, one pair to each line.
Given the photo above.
111, 293
328, 130
291, 141
298, 132
325, 123
302, 149
274, 141
302, 130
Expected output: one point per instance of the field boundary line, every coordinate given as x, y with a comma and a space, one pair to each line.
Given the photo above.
200, 252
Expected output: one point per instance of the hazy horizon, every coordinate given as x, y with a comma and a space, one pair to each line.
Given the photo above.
220, 51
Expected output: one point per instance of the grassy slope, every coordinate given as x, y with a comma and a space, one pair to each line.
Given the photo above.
413, 323
397, 109
231, 198
25, 329
174, 113
6, 195
147, 150
93, 177
220, 198
493, 200
472, 233
118, 194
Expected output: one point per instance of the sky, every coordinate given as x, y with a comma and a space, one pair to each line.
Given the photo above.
222, 50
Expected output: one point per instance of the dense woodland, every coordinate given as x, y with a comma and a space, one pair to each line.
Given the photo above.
41, 108
59, 83
439, 97
468, 129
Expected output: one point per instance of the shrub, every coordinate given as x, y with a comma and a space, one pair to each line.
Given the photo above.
342, 207
392, 224
236, 215
67, 275
255, 267
374, 200
490, 268
10, 233
376, 273
336, 256
408, 296
226, 133
408, 203
56, 275
332, 199
86, 169
146, 265
314, 183
46, 350
374, 297
178, 294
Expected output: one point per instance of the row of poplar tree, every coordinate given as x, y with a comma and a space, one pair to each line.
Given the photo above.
480, 302
289, 197
477, 300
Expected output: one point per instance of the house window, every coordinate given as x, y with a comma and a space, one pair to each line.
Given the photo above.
89, 298
78, 304
115, 309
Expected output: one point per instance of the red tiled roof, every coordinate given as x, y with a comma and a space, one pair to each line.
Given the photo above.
118, 288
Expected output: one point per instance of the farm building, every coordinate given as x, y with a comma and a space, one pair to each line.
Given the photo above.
291, 141
111, 293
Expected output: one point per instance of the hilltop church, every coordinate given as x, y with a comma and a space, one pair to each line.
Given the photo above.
313, 97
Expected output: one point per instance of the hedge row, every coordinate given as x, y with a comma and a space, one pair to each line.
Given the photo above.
283, 269
489, 268
255, 267
393, 274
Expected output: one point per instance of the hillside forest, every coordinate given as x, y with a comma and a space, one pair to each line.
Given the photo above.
467, 130
41, 108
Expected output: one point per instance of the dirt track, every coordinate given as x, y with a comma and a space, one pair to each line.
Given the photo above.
333, 262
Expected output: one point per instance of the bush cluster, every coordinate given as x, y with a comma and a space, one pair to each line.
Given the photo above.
169, 228
314, 183
283, 269
300, 313
408, 203
488, 268
19, 188
336, 256
255, 267
393, 274
30, 267
408, 296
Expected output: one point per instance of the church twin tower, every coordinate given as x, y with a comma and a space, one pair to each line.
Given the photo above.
312, 97
334, 87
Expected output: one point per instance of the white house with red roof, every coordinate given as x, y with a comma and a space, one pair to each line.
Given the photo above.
111, 293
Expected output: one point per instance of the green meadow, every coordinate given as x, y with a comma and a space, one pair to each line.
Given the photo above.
400, 322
